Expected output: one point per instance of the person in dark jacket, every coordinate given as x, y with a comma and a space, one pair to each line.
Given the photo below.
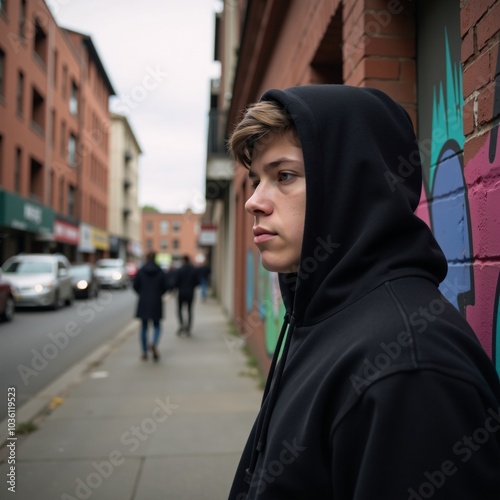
186, 281
150, 283
382, 390
204, 272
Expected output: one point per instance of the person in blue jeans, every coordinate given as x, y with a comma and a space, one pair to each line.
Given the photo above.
150, 284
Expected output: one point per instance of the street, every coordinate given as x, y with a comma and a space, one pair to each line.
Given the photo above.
40, 345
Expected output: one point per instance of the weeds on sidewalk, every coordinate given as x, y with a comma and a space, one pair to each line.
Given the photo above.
252, 368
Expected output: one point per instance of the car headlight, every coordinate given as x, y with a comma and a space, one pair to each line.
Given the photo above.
82, 284
39, 288
117, 276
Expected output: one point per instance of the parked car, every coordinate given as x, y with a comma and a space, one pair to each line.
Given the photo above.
111, 273
7, 301
85, 282
39, 279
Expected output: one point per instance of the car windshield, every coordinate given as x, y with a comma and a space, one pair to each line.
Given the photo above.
82, 272
108, 265
28, 267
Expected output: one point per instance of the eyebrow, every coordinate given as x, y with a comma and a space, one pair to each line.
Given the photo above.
273, 164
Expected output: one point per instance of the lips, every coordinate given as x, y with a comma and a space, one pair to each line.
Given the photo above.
261, 235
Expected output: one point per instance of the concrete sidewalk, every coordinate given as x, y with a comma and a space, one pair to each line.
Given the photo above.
138, 430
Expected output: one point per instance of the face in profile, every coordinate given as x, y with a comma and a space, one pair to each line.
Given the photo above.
278, 202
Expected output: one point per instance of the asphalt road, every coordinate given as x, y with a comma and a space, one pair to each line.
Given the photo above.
40, 345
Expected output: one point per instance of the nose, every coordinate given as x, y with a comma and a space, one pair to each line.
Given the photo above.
259, 203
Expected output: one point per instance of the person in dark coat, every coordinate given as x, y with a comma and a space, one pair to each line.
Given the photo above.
186, 280
150, 283
204, 278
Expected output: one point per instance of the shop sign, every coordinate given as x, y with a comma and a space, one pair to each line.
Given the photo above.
99, 238
26, 215
85, 243
208, 235
65, 232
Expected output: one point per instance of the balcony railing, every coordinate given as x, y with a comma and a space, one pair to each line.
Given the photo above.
217, 133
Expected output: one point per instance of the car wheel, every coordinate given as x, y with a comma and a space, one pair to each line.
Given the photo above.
10, 306
70, 299
58, 303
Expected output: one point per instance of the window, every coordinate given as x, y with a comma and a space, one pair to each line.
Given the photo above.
17, 170
164, 245
63, 138
22, 19
73, 99
3, 6
2, 73
53, 127
72, 150
164, 227
71, 200
36, 180
177, 226
64, 82
40, 43
61, 194
38, 111
149, 244
149, 226
176, 244
20, 93
54, 68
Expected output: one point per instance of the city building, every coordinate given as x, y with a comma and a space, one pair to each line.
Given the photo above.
441, 62
54, 127
172, 235
124, 214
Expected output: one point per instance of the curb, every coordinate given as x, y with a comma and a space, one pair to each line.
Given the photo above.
39, 404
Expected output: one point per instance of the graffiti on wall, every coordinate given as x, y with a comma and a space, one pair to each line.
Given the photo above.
459, 209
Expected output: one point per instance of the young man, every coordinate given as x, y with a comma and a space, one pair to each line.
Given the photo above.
382, 390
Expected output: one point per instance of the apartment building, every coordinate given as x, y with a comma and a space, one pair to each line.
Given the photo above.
124, 215
54, 128
172, 235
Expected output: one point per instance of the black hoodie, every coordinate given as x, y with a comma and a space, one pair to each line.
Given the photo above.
383, 391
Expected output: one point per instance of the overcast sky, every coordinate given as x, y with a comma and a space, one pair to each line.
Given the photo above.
172, 41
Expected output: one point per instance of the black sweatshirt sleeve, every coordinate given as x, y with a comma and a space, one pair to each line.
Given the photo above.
418, 435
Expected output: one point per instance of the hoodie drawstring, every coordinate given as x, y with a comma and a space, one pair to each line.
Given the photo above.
271, 389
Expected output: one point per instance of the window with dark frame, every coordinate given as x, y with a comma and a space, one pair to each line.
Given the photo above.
20, 93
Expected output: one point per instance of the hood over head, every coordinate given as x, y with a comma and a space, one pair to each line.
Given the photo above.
363, 184
152, 268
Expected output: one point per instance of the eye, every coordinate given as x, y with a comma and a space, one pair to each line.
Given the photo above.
285, 176
254, 184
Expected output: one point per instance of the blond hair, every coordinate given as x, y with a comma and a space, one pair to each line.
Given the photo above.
262, 119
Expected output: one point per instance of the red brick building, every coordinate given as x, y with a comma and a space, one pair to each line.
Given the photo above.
171, 235
441, 61
54, 126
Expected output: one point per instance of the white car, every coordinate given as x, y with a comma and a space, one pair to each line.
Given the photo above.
39, 280
111, 273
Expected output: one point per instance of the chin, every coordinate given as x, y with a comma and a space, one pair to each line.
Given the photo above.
278, 267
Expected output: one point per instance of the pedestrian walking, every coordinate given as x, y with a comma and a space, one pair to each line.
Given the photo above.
382, 390
150, 283
204, 272
186, 280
